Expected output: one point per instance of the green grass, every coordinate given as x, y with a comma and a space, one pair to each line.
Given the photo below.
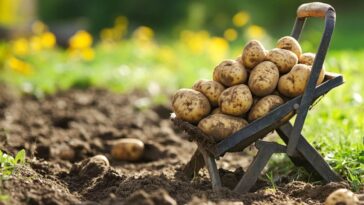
336, 125
270, 177
8, 163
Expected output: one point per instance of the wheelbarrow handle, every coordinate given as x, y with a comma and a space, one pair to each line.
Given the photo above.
315, 9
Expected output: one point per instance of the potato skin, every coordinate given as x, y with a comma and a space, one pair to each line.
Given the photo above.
211, 89
293, 83
263, 78
342, 196
290, 43
127, 149
216, 111
230, 72
220, 126
190, 105
253, 54
236, 100
321, 77
307, 58
264, 106
284, 59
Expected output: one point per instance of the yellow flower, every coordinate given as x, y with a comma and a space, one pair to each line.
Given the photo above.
19, 66
106, 34
230, 34
241, 18
218, 48
111, 35
36, 43
80, 40
121, 21
39, 27
88, 54
143, 33
195, 41
255, 31
48, 40
20, 47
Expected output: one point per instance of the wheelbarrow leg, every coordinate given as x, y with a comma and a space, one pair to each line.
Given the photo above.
212, 168
266, 150
194, 165
310, 155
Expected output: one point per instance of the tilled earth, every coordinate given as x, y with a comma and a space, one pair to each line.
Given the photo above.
62, 132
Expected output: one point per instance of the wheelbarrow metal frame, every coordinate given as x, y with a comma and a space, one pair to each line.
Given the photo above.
298, 149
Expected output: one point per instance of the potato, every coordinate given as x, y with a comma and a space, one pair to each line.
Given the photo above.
128, 149
253, 54
66, 153
220, 126
101, 159
342, 196
307, 58
264, 106
96, 165
321, 77
263, 78
291, 44
216, 111
211, 89
230, 72
236, 100
284, 59
294, 83
190, 105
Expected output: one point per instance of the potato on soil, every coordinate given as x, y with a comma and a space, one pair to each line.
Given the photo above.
294, 83
211, 89
128, 149
284, 59
307, 58
253, 54
342, 196
263, 78
92, 167
101, 159
290, 43
66, 153
230, 72
220, 126
264, 106
190, 105
236, 100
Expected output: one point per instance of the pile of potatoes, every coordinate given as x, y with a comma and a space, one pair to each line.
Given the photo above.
247, 88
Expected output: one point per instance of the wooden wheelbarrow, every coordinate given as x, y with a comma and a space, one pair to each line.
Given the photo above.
297, 147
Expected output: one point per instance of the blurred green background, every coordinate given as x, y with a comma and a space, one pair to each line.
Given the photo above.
170, 17
159, 46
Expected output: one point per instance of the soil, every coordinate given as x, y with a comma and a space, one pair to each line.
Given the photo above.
62, 134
